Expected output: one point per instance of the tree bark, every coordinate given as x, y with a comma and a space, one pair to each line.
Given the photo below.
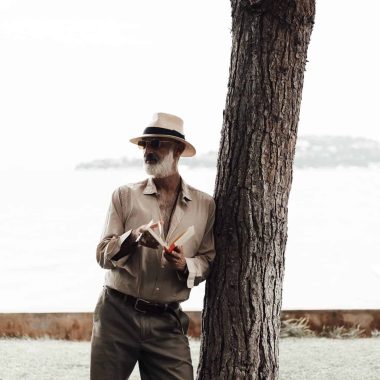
241, 317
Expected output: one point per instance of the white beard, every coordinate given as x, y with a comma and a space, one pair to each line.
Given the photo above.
162, 169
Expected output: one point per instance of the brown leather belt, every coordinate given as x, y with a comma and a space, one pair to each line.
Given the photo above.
144, 306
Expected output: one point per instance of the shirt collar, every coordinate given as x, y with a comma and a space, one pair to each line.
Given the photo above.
185, 190
151, 188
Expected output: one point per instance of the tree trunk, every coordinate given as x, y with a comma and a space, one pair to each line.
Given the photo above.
241, 317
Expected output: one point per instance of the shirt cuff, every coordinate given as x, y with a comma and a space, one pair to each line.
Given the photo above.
120, 251
192, 272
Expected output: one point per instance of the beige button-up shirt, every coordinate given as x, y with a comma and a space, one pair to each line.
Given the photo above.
144, 272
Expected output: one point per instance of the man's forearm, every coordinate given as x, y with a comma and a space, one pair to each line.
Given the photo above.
127, 247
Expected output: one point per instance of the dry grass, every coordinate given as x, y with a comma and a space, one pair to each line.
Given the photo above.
297, 328
300, 328
341, 332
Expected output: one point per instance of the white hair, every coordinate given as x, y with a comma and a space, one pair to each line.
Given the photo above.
163, 168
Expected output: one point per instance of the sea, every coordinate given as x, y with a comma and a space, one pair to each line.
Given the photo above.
51, 222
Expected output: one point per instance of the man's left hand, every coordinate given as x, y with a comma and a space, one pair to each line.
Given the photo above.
176, 258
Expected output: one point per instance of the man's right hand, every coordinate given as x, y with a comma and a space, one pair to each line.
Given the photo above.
146, 238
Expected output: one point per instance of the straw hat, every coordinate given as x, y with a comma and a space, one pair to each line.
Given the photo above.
167, 125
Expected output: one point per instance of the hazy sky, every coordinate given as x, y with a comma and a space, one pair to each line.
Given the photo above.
78, 78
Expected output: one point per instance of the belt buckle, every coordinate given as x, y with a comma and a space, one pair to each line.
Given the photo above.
138, 300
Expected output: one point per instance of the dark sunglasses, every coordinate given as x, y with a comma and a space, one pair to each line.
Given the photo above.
154, 144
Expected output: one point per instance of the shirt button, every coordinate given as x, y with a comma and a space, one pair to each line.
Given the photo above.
157, 289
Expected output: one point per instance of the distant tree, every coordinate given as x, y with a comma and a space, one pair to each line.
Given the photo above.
241, 318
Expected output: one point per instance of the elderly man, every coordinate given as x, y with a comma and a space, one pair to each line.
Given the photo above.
138, 317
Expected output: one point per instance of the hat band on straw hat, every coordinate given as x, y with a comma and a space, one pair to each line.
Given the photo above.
162, 131
169, 126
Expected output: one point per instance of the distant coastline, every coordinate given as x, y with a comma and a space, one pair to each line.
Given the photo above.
311, 152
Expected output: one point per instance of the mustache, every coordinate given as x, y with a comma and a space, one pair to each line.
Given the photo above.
151, 157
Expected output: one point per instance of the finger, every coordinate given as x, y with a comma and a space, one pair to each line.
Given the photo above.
144, 243
176, 255
170, 260
147, 241
172, 254
152, 243
168, 252
147, 237
169, 257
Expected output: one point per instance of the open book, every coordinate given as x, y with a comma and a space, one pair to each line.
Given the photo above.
177, 242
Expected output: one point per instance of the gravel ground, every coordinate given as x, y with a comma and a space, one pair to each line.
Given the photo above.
300, 359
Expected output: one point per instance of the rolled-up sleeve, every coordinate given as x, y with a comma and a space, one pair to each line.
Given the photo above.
113, 236
199, 265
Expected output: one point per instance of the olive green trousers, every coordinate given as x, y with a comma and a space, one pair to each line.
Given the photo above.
123, 336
